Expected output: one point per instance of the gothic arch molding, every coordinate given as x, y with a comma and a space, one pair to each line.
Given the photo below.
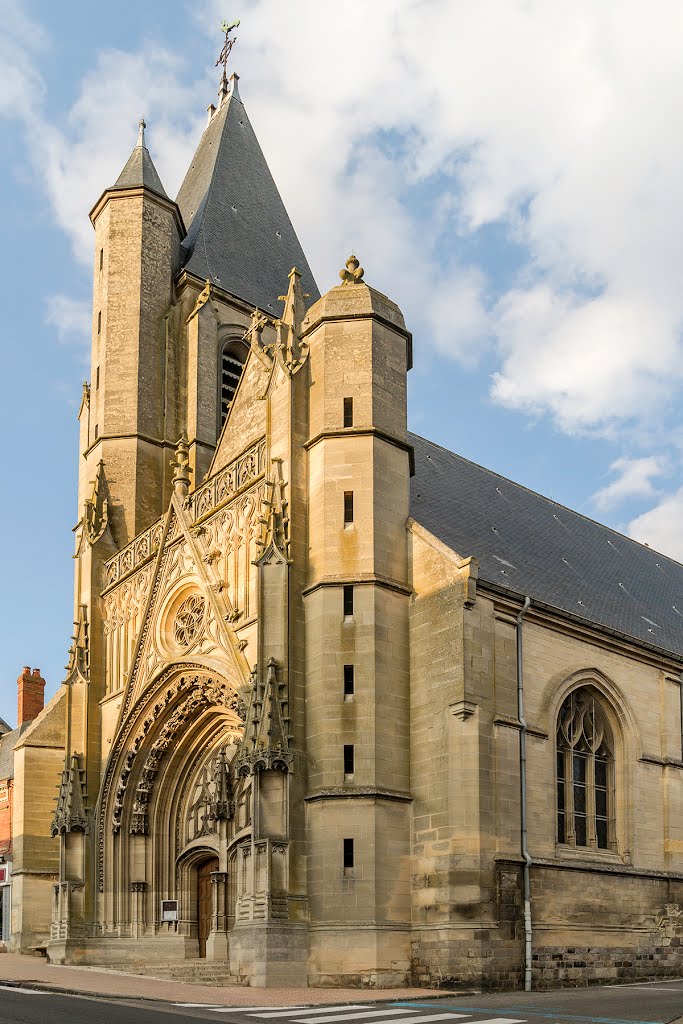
625, 732
187, 699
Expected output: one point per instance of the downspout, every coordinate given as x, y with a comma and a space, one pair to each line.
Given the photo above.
522, 800
680, 687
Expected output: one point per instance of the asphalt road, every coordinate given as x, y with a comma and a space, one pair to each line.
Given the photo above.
645, 1003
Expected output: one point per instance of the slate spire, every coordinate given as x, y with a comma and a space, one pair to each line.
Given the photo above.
239, 235
140, 170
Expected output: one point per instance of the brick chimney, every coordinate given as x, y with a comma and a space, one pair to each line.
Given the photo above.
31, 695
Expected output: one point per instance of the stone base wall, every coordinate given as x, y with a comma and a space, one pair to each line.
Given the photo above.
345, 956
105, 951
480, 958
606, 924
270, 954
579, 966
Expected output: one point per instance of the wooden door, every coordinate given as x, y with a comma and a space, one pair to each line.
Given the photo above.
204, 901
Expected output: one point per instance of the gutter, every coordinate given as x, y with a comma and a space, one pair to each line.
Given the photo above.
528, 932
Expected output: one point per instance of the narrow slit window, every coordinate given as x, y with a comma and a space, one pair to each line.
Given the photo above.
348, 508
97, 431
101, 258
348, 412
97, 379
348, 600
349, 681
348, 760
99, 322
348, 854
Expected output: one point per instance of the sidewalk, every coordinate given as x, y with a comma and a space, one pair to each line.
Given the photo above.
34, 970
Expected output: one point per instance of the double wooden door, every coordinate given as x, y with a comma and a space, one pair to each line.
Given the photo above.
204, 901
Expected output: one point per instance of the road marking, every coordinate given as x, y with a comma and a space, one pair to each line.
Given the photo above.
547, 1013
501, 1020
381, 1013
237, 1009
651, 988
24, 991
313, 1009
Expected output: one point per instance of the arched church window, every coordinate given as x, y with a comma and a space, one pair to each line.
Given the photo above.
585, 773
232, 359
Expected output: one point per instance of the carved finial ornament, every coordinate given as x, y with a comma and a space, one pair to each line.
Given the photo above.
353, 272
289, 350
141, 132
96, 510
181, 465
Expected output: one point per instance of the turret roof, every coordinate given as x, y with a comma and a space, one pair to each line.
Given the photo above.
239, 235
140, 170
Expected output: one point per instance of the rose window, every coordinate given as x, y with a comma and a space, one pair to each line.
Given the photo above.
188, 620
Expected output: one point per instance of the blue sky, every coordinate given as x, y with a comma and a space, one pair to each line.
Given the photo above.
508, 171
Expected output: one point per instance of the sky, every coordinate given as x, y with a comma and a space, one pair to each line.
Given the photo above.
508, 171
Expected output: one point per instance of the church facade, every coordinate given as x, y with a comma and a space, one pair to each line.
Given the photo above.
341, 707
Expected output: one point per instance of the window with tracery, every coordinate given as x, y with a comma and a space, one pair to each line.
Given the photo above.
233, 357
585, 774
188, 620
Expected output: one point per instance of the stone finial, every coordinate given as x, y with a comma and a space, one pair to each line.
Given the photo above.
141, 133
353, 272
181, 465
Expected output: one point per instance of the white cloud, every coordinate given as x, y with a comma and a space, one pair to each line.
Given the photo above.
557, 122
633, 480
71, 317
661, 526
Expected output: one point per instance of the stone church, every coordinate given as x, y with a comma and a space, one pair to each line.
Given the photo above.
341, 706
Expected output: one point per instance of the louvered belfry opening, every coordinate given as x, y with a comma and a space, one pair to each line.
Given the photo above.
233, 358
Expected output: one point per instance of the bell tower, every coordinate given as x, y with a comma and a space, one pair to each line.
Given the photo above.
138, 231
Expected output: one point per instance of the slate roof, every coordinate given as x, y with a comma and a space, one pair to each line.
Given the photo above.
239, 235
140, 170
530, 545
7, 744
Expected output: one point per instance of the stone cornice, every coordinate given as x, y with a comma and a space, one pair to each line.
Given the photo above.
133, 193
561, 621
362, 579
361, 432
350, 792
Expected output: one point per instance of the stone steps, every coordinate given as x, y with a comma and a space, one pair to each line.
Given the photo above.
204, 972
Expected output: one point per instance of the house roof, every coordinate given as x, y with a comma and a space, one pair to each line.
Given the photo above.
239, 235
8, 741
529, 545
140, 170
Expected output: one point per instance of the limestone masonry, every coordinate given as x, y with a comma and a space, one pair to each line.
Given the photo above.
341, 707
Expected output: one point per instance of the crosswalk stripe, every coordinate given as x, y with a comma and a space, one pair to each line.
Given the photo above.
501, 1020
242, 1010
395, 1012
23, 991
237, 1009
312, 1009
433, 1017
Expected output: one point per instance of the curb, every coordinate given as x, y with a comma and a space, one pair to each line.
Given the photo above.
37, 986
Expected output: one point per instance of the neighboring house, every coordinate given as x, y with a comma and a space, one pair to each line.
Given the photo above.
341, 707
31, 686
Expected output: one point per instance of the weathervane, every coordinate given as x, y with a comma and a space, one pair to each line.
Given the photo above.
227, 27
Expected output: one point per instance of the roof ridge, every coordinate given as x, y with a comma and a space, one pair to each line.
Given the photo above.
551, 501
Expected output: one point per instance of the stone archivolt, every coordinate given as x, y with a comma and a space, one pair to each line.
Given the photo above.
157, 735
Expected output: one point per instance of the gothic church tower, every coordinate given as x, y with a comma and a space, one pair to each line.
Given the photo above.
241, 594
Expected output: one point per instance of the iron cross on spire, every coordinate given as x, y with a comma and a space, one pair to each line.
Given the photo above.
227, 27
